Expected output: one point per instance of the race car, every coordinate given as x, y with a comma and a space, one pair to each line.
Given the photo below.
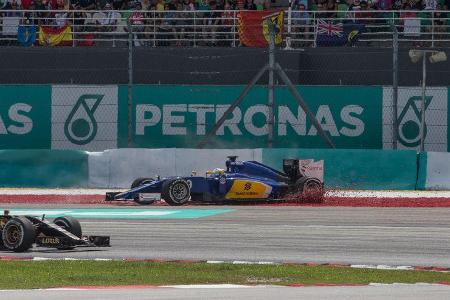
241, 180
19, 233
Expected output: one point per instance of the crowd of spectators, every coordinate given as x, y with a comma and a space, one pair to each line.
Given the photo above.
173, 18
174, 22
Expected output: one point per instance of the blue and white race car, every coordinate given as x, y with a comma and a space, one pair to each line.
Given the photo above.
241, 180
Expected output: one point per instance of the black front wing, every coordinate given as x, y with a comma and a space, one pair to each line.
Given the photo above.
66, 242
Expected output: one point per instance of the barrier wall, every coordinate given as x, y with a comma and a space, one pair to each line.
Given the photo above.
434, 171
357, 169
43, 168
119, 167
349, 169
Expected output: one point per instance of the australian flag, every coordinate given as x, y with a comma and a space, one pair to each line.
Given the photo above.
337, 34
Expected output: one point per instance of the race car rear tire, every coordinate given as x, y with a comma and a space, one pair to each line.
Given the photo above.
140, 181
70, 224
19, 234
176, 191
311, 189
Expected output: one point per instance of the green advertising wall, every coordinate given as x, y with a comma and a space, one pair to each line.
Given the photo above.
179, 116
96, 117
357, 169
25, 116
43, 168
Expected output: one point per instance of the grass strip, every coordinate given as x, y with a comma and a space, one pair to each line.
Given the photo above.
46, 274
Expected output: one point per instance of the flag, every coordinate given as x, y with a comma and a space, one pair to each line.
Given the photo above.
51, 36
26, 35
339, 34
253, 27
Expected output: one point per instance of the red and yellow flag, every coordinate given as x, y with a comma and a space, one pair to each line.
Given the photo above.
51, 36
254, 30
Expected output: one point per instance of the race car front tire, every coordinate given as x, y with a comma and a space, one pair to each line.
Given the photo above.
140, 181
176, 191
19, 234
70, 224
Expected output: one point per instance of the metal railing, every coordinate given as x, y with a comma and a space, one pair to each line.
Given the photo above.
219, 28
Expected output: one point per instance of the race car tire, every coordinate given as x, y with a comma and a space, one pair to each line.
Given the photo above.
143, 201
70, 224
310, 188
176, 191
19, 234
140, 181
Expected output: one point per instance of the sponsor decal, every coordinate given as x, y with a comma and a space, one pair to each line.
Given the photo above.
244, 189
25, 116
50, 240
173, 120
181, 116
84, 117
82, 130
17, 120
409, 118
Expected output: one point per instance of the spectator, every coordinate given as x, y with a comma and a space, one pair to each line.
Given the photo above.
179, 25
302, 23
117, 4
227, 21
430, 4
160, 5
202, 4
331, 7
110, 19
26, 4
233, 4
60, 18
86, 4
440, 24
250, 5
210, 23
173, 5
259, 4
189, 5
137, 23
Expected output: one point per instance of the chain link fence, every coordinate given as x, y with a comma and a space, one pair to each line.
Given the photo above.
354, 92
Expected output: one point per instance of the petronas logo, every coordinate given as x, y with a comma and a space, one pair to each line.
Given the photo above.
409, 121
81, 127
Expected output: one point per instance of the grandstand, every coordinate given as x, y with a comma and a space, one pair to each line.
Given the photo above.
191, 23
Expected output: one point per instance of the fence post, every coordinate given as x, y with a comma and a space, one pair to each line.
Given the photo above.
154, 29
130, 82
432, 29
195, 30
289, 29
394, 86
234, 30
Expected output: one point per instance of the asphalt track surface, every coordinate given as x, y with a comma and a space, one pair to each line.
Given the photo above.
389, 236
410, 292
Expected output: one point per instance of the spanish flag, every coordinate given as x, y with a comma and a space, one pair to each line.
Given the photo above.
52, 36
254, 27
